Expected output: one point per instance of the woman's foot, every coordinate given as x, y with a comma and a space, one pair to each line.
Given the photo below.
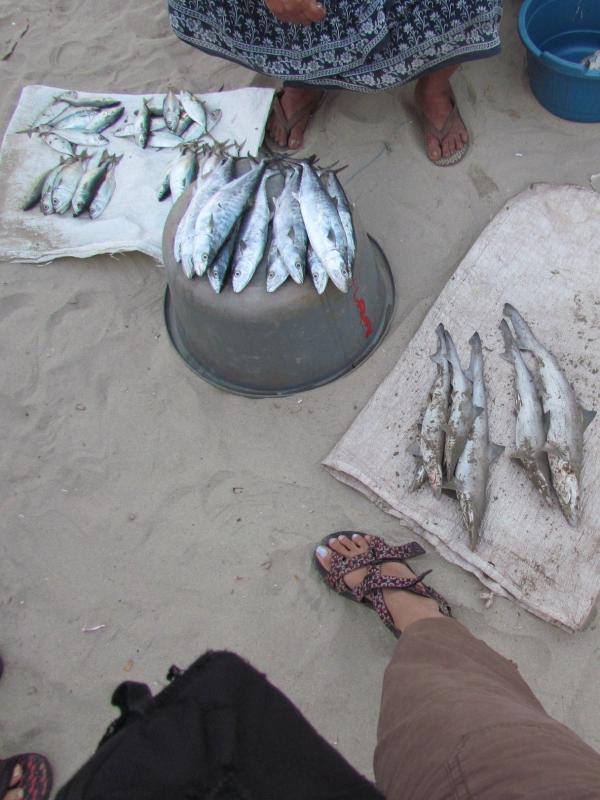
296, 106
434, 96
14, 792
404, 607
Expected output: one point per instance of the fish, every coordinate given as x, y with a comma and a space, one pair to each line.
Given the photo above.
164, 187
530, 433
77, 120
171, 110
461, 413
53, 110
252, 238
73, 99
432, 434
324, 227
337, 193
194, 108
141, 125
34, 193
289, 230
419, 478
104, 119
218, 216
317, 271
185, 121
57, 143
65, 185
87, 188
277, 272
217, 272
47, 188
567, 420
183, 173
205, 189
76, 136
106, 190
472, 469
128, 130
164, 138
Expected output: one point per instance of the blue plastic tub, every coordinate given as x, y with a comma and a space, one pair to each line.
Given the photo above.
559, 35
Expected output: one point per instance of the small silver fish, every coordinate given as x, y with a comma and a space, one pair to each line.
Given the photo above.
183, 173
75, 136
34, 193
53, 110
171, 110
74, 119
104, 119
141, 125
87, 188
105, 191
185, 122
48, 187
194, 108
74, 99
65, 185
57, 143
165, 139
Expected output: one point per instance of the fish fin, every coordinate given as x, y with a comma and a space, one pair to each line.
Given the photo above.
494, 451
587, 417
440, 357
477, 410
331, 235
242, 245
509, 342
291, 234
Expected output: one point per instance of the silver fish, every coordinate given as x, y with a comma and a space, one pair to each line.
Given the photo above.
141, 125
317, 271
194, 108
34, 193
277, 273
76, 136
289, 231
218, 216
164, 139
530, 432
48, 187
53, 110
105, 192
252, 238
432, 434
324, 227
205, 189
164, 187
104, 119
567, 420
65, 185
183, 173
171, 110
472, 469
57, 143
77, 120
73, 99
87, 188
334, 187
185, 121
217, 272
128, 130
462, 412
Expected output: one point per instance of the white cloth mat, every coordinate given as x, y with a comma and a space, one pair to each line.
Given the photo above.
541, 253
134, 219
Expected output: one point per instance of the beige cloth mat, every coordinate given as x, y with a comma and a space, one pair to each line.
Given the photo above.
542, 254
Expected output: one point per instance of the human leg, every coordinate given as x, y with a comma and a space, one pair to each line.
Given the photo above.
291, 113
446, 136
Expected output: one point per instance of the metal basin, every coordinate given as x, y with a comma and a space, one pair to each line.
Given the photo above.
264, 345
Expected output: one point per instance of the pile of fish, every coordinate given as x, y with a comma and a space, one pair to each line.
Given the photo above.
230, 228
455, 451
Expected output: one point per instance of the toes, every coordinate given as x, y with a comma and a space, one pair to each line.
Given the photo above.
16, 776
296, 137
433, 148
323, 555
360, 542
342, 545
13, 794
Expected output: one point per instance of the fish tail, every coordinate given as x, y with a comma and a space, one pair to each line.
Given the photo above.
524, 338
440, 356
509, 342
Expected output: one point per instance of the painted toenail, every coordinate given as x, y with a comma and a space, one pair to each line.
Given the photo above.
322, 551
356, 536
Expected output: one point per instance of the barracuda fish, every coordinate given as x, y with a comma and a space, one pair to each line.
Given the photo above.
104, 119
432, 434
141, 125
73, 99
217, 272
34, 193
76, 136
472, 469
337, 193
57, 143
65, 185
218, 216
317, 271
289, 231
277, 273
462, 412
87, 188
183, 173
205, 189
48, 187
530, 432
567, 420
106, 190
252, 238
194, 108
324, 227
171, 110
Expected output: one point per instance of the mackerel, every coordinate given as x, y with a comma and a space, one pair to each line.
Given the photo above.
336, 191
567, 420
217, 272
252, 238
317, 271
289, 231
277, 273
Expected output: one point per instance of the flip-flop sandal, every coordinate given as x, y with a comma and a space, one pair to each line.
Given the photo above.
36, 781
453, 118
287, 123
374, 582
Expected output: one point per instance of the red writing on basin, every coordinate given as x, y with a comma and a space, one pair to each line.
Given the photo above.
362, 310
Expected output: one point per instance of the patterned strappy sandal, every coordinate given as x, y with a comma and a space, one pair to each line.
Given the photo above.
370, 591
36, 780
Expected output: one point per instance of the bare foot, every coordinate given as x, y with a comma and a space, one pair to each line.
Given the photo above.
14, 793
434, 96
292, 101
405, 607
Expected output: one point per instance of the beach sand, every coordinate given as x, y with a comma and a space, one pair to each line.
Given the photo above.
137, 497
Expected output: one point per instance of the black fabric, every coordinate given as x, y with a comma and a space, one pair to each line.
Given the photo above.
220, 731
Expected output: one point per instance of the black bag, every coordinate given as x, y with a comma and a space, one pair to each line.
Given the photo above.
220, 730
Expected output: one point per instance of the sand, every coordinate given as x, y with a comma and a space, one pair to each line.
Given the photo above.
119, 465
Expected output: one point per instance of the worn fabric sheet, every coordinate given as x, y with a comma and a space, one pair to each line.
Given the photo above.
542, 254
134, 219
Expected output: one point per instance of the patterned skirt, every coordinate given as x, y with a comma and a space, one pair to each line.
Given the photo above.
361, 45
